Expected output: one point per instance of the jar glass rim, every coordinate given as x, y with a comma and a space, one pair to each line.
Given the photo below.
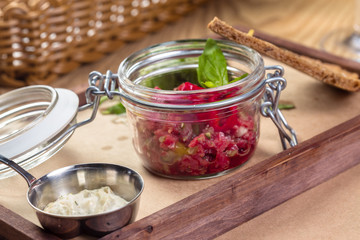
252, 84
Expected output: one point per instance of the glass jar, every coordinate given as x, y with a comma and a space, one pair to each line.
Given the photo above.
198, 133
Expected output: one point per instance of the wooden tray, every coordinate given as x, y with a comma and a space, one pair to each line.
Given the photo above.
241, 196
235, 199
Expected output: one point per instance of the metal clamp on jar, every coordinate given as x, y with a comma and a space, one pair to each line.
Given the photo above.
177, 134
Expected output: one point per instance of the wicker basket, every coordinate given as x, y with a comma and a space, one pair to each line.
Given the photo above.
42, 39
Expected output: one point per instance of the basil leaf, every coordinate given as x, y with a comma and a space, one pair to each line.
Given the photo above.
286, 106
115, 109
239, 78
212, 71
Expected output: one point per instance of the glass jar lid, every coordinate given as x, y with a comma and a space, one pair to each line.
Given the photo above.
32, 119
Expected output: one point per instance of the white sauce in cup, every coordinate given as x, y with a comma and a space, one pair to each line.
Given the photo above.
86, 202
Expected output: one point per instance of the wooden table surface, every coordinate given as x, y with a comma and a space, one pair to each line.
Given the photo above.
329, 211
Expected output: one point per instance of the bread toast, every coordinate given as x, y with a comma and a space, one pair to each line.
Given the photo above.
328, 73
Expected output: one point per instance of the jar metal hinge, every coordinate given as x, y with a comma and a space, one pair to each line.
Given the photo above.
99, 85
270, 106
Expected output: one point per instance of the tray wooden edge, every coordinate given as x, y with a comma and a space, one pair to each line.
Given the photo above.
233, 200
237, 199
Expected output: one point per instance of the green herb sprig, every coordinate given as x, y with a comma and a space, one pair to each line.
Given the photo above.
212, 69
115, 109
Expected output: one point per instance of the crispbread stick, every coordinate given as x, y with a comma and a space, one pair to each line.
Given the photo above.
328, 73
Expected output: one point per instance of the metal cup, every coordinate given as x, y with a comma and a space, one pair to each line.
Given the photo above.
124, 182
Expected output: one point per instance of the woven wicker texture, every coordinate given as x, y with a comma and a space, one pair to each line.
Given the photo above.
42, 39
